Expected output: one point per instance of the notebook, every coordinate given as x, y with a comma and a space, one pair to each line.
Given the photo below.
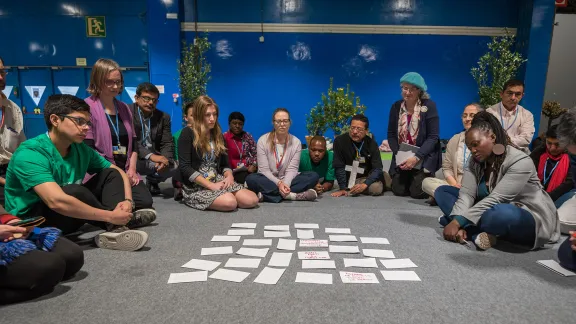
405, 152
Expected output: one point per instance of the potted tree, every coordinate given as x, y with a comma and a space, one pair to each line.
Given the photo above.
315, 122
194, 69
339, 106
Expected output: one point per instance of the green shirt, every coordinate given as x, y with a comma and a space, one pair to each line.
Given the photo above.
37, 161
176, 136
324, 168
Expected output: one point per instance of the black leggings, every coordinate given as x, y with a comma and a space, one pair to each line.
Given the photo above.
36, 273
409, 183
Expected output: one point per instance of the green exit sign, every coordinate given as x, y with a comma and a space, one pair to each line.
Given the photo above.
95, 26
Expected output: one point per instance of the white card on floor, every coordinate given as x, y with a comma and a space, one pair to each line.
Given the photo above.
188, 277
342, 238
280, 259
243, 225
400, 275
284, 244
337, 230
242, 263
313, 243
556, 267
374, 240
361, 263
241, 232
260, 253
316, 278
217, 250
357, 277
225, 238
276, 234
269, 276
398, 263
306, 226
201, 264
374, 253
343, 249
229, 275
277, 228
313, 255
257, 242
318, 264
305, 234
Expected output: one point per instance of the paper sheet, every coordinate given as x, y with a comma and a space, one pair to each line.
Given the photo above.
284, 244
360, 263
229, 275
556, 267
276, 234
277, 228
375, 253
398, 263
374, 240
305, 234
241, 232
217, 250
313, 255
225, 238
253, 252
242, 263
337, 230
400, 275
257, 242
318, 264
306, 226
280, 259
269, 276
188, 277
357, 277
342, 238
201, 264
316, 278
243, 225
402, 156
313, 243
343, 249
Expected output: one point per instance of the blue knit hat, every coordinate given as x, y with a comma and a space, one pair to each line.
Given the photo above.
414, 79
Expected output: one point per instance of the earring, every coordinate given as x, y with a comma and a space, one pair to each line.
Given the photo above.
498, 149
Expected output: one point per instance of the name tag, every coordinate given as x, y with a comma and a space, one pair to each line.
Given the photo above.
119, 150
362, 159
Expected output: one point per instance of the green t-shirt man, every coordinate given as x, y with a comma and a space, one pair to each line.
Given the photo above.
37, 161
324, 168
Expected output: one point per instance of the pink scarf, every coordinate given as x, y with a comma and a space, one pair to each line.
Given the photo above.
405, 128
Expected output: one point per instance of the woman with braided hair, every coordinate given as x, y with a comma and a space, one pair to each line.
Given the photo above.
501, 194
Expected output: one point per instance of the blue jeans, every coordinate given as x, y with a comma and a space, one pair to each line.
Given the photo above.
258, 182
506, 221
565, 197
567, 256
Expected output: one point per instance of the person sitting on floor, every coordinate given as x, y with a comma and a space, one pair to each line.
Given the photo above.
356, 146
242, 153
112, 133
553, 166
318, 159
154, 133
278, 160
46, 180
207, 181
456, 158
501, 195
33, 260
176, 181
414, 120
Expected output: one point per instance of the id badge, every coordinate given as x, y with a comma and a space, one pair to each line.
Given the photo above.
122, 150
239, 165
362, 159
115, 150
209, 176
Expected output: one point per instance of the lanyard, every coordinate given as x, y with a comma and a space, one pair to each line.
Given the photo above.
2, 112
358, 150
466, 159
145, 131
117, 128
551, 172
240, 152
515, 116
279, 163
211, 153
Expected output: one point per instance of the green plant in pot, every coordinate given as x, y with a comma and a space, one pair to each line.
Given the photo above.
552, 110
315, 122
339, 106
194, 69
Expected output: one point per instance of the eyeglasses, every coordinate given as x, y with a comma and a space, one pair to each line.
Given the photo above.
111, 83
282, 122
4, 73
357, 129
148, 99
409, 89
77, 120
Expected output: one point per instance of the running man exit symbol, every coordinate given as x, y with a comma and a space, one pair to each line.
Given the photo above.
95, 26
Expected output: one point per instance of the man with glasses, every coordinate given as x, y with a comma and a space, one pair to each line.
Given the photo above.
11, 129
45, 178
516, 120
354, 151
156, 145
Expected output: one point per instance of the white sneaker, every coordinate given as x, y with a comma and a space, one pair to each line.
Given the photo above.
122, 239
309, 195
485, 241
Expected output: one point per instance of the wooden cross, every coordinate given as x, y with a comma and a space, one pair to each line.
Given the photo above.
354, 170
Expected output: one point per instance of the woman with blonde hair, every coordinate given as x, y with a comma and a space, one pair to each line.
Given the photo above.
278, 162
207, 180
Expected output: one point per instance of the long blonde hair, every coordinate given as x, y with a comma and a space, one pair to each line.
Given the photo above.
100, 71
203, 135
272, 134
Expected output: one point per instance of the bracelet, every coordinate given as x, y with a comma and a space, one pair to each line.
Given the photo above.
131, 202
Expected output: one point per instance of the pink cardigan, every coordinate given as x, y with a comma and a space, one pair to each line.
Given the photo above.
267, 161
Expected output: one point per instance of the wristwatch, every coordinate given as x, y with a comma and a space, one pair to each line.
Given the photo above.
131, 202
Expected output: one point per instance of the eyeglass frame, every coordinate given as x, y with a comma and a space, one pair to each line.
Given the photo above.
76, 120
117, 83
148, 99
358, 129
283, 121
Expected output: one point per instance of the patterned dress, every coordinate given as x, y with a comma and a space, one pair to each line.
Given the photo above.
196, 196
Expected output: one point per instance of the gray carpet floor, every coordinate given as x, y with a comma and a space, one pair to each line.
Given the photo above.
503, 285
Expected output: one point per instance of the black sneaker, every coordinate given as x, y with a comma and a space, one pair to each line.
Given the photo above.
141, 218
153, 188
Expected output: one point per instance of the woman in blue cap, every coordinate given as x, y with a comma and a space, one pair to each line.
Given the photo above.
414, 121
